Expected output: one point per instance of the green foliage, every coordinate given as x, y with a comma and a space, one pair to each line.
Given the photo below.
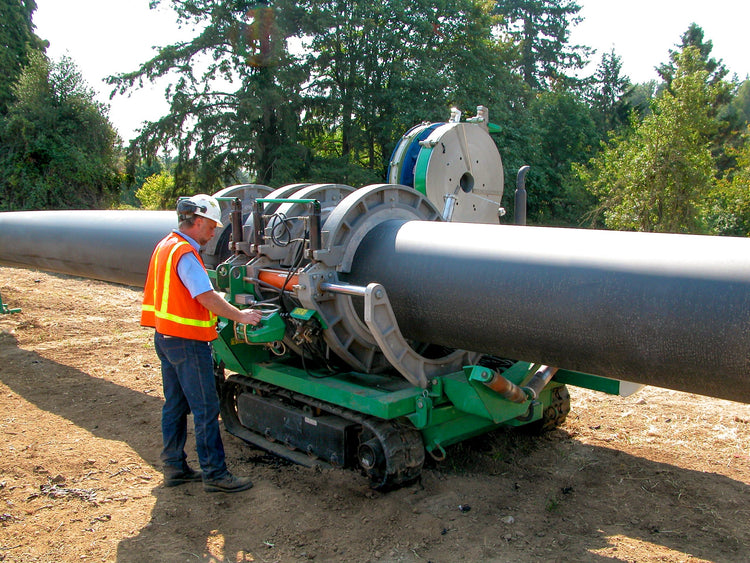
658, 177
606, 93
636, 102
238, 114
729, 210
18, 40
540, 29
58, 147
321, 92
564, 130
377, 69
370, 71
694, 37
155, 192
740, 104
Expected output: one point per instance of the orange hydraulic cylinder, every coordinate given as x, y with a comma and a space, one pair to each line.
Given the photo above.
279, 279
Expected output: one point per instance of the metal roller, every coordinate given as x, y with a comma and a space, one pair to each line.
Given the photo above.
659, 309
459, 166
456, 165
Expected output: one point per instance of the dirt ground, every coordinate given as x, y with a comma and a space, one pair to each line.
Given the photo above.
659, 476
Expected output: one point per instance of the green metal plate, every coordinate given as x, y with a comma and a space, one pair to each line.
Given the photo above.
384, 397
588, 381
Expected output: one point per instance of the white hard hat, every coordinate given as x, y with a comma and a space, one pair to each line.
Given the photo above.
203, 205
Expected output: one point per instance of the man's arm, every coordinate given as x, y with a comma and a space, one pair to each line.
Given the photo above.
214, 302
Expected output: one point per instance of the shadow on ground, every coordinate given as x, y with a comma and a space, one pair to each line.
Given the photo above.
567, 499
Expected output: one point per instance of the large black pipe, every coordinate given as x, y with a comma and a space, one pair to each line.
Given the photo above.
666, 310
107, 245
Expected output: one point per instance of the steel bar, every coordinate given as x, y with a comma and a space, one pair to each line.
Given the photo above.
666, 310
344, 288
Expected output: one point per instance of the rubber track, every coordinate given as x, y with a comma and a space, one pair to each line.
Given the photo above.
401, 443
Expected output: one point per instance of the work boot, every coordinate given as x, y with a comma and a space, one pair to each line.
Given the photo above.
174, 476
227, 484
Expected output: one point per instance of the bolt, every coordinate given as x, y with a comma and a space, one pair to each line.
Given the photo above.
379, 294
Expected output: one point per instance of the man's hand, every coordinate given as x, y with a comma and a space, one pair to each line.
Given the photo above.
250, 316
216, 304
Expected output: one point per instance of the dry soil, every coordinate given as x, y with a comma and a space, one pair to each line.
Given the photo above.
658, 476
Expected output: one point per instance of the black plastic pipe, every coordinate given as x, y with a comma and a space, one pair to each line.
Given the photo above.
106, 245
666, 310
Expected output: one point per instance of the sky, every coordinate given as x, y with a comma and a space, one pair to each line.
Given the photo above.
105, 37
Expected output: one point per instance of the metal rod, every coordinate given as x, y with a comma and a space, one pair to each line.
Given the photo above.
539, 381
506, 388
344, 288
519, 211
236, 216
259, 225
450, 206
315, 233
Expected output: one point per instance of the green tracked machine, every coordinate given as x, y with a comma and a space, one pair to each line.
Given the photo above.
404, 317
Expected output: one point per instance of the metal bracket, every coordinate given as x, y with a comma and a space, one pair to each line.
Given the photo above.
414, 367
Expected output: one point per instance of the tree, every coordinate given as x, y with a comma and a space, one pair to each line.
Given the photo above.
541, 29
18, 40
638, 100
729, 213
694, 37
607, 91
332, 110
154, 191
564, 132
58, 147
740, 104
235, 96
360, 56
379, 68
659, 177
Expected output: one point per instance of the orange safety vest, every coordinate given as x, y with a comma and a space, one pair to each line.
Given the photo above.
167, 303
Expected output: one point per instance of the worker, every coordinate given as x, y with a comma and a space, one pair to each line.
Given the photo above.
181, 304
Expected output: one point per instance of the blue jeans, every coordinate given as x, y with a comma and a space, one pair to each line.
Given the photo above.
188, 381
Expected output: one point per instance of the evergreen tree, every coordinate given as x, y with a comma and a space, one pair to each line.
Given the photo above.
58, 147
361, 74
379, 68
235, 98
728, 123
541, 29
694, 37
740, 104
638, 99
609, 86
18, 40
564, 131
729, 212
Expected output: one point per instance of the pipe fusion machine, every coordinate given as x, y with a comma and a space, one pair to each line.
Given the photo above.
402, 318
